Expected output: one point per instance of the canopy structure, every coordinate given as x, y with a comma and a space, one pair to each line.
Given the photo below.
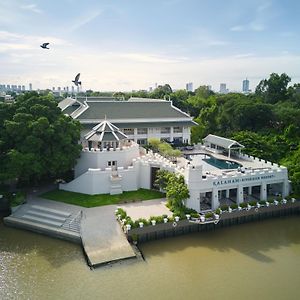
221, 143
105, 135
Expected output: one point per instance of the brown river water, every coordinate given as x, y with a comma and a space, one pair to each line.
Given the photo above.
251, 261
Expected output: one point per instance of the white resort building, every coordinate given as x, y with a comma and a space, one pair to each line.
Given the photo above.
216, 172
138, 118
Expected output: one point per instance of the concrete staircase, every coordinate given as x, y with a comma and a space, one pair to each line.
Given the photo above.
43, 219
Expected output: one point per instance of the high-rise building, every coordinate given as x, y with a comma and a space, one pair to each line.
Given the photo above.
189, 87
30, 86
223, 89
23, 87
246, 86
73, 90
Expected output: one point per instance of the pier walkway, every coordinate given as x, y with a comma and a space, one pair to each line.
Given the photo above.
95, 228
102, 238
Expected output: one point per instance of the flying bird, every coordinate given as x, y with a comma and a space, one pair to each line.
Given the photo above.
44, 46
76, 81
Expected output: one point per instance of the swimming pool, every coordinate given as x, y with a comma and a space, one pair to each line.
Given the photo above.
220, 163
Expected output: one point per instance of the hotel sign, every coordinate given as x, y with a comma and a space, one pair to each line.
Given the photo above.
240, 180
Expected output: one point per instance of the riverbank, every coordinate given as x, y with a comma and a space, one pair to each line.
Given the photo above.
259, 260
171, 229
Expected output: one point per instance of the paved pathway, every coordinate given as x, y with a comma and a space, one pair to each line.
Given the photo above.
146, 209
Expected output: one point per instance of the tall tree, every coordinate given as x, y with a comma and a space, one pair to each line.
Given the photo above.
273, 89
37, 139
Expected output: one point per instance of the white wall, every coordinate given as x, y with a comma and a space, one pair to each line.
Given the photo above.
99, 159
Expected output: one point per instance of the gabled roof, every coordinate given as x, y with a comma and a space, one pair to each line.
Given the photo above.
131, 110
105, 132
222, 142
93, 110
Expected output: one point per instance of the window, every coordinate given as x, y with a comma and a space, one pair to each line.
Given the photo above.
142, 130
177, 129
112, 163
165, 130
128, 131
142, 141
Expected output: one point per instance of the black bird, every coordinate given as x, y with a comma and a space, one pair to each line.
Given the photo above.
76, 80
44, 46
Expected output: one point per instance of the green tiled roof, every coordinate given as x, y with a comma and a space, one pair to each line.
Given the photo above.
130, 110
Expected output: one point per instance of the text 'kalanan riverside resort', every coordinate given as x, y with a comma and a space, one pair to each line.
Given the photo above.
113, 160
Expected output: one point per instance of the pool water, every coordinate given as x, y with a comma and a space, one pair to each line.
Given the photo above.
222, 164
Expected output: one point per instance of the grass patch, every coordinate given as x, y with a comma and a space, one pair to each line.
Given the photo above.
103, 199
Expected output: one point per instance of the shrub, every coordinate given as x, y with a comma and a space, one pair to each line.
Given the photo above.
121, 212
243, 205
253, 203
271, 200
234, 206
224, 207
165, 216
262, 202
218, 211
208, 215
189, 211
171, 219
159, 219
179, 214
141, 220
194, 215
129, 221
17, 199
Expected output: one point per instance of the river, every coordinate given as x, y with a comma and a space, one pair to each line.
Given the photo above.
250, 261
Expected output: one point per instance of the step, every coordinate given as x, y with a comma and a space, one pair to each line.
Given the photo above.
45, 215
42, 220
54, 211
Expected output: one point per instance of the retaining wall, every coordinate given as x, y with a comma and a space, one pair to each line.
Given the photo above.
160, 231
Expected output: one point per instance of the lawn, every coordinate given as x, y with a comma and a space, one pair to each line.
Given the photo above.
103, 199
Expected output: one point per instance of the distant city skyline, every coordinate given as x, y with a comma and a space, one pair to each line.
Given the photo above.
128, 45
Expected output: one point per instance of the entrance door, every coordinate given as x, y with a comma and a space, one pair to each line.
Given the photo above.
153, 178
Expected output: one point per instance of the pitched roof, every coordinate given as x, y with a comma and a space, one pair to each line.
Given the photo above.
105, 132
131, 110
222, 142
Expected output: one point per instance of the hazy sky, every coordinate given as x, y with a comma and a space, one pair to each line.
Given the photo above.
131, 44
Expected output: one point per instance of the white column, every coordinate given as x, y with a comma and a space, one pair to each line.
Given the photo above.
171, 134
249, 190
227, 193
135, 134
229, 153
263, 191
240, 195
285, 188
215, 199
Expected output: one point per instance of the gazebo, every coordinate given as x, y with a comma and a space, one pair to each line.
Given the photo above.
105, 136
222, 144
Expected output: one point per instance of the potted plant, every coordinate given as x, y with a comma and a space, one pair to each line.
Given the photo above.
153, 222
176, 218
141, 224
188, 216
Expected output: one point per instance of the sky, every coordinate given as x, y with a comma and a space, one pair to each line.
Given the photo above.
124, 45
